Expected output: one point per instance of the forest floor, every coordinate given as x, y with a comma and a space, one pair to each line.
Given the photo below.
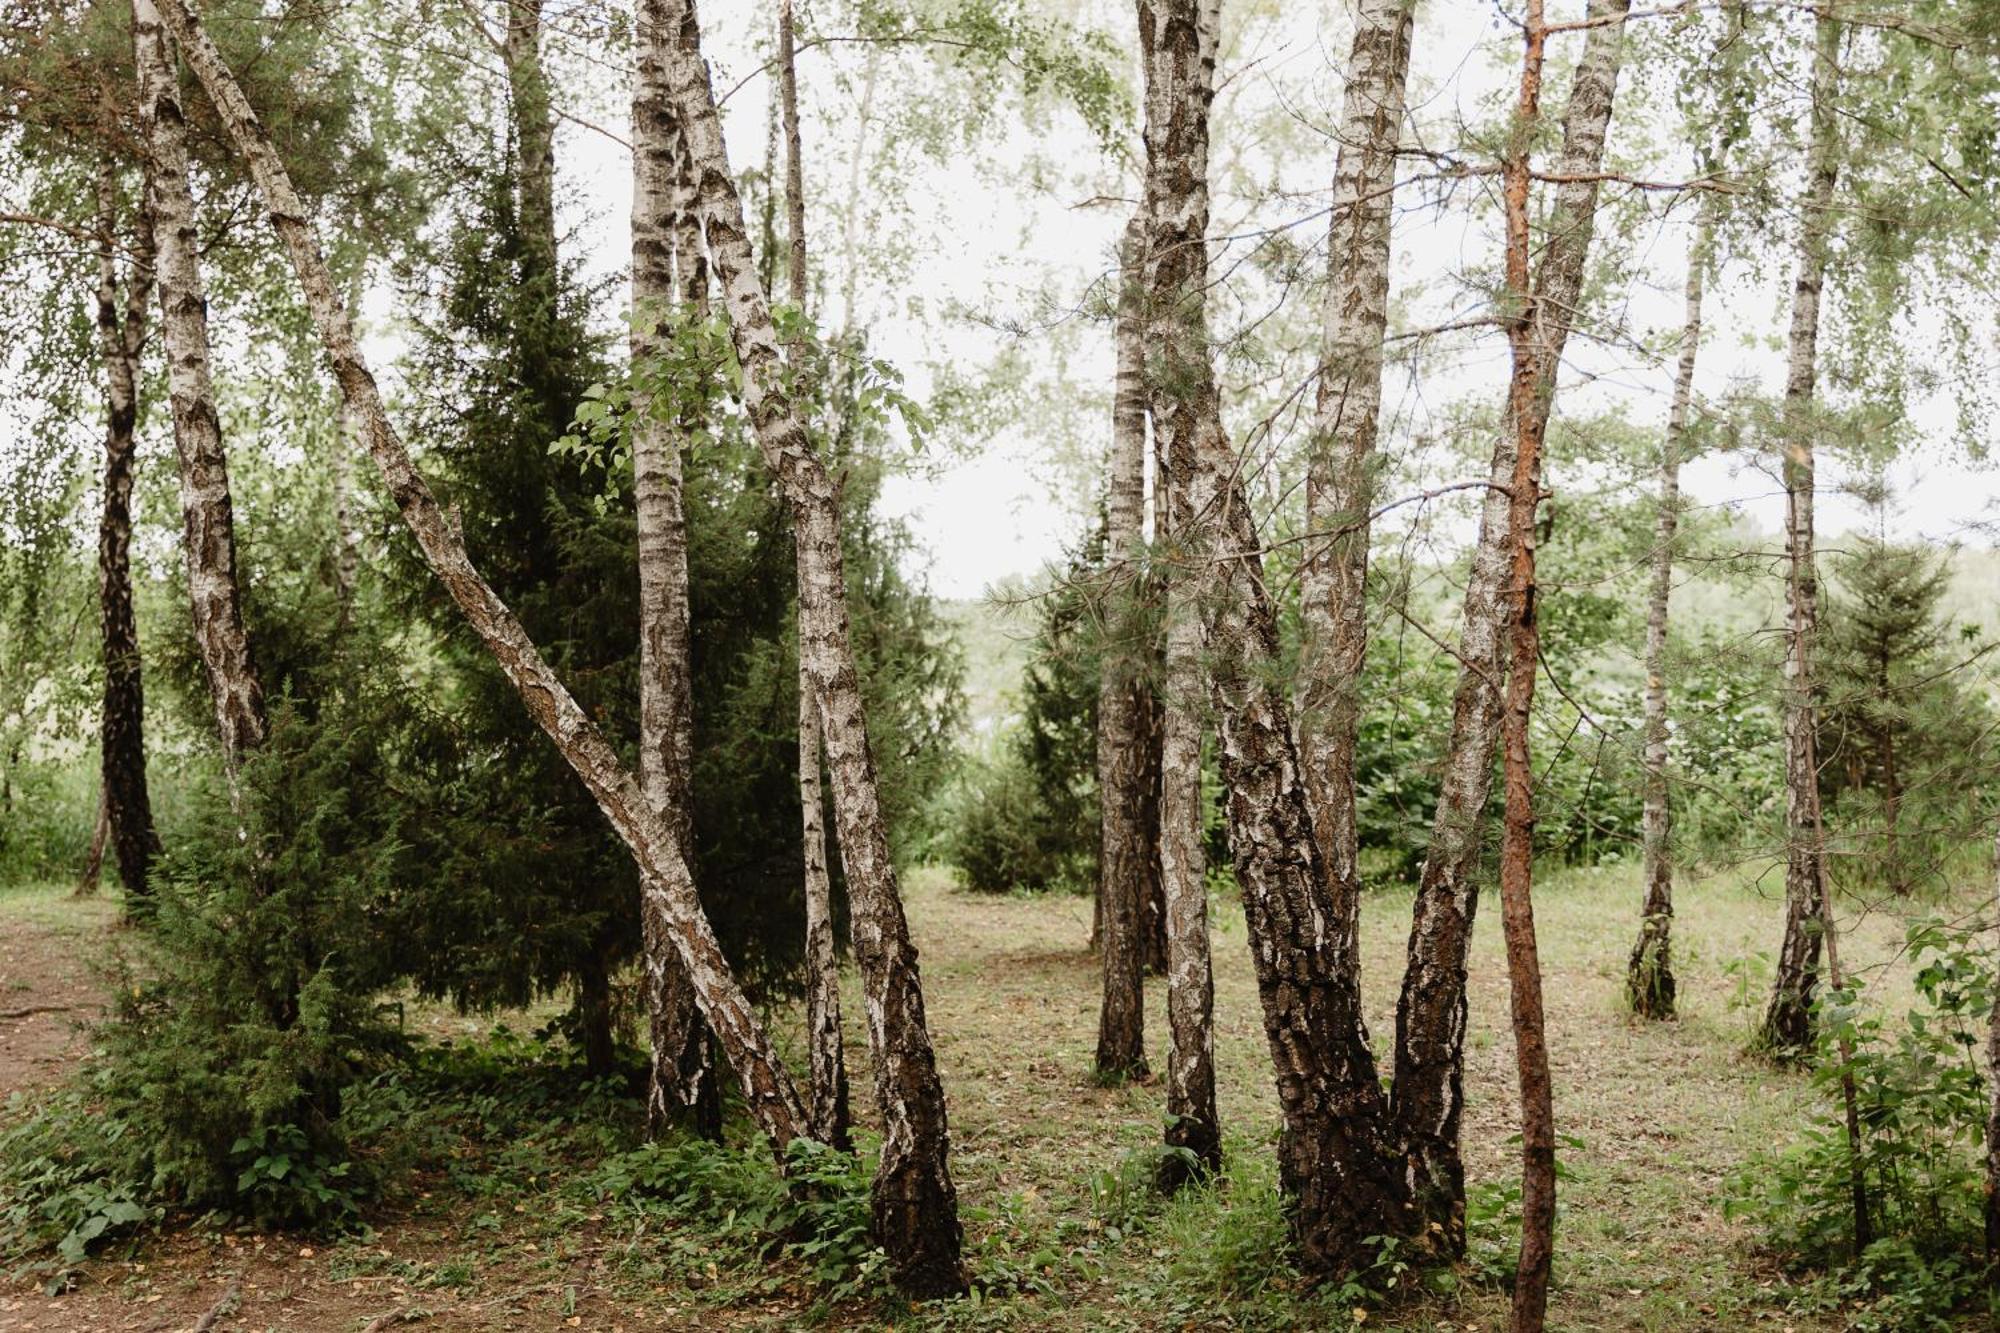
1656, 1119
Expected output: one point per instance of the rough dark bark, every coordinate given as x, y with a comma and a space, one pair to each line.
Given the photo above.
1534, 368
1649, 976
209, 531
1430, 1014
1787, 1030
1340, 480
1125, 855
1193, 1123
667, 273
915, 1204
1336, 1163
121, 335
596, 1032
767, 1088
828, 1058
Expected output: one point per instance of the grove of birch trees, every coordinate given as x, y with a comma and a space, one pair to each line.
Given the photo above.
530, 464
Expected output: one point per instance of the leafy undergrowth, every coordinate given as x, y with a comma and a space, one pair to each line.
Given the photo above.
512, 1192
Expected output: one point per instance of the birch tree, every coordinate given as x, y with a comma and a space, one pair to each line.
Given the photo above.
668, 275
1334, 1160
1124, 854
1649, 979
1431, 1012
209, 531
1787, 1028
1340, 481
915, 1203
121, 336
823, 1041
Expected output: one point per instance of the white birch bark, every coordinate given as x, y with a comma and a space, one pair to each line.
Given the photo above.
209, 530
915, 1203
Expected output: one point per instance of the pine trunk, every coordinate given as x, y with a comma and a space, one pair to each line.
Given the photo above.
915, 1204
128, 807
1534, 370
824, 1047
1334, 1157
1788, 1023
209, 531
88, 878
1125, 855
1431, 1013
767, 1088
533, 123
1649, 978
667, 274
1340, 480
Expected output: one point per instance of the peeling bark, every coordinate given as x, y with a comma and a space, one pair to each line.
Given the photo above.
1787, 1029
915, 1204
209, 527
127, 804
767, 1088
1125, 853
667, 271
1335, 1161
1430, 1014
1341, 474
1649, 977
1193, 1123
823, 1040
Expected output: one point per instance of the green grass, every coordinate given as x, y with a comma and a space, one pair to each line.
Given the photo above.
1061, 1234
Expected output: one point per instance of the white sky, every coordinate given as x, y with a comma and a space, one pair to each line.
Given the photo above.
987, 235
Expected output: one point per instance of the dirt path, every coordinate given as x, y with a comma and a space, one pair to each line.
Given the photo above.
48, 991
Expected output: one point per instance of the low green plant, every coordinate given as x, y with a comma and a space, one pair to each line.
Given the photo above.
1920, 1111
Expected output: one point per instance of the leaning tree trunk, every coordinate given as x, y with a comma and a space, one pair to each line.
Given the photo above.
823, 1040
767, 1088
1787, 1030
210, 531
1340, 480
1334, 1156
1649, 976
1534, 369
92, 874
128, 807
667, 272
1431, 1013
1124, 855
915, 1204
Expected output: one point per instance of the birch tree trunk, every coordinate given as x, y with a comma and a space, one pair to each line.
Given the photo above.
667, 272
767, 1088
1124, 853
1334, 1158
128, 807
209, 528
830, 1114
915, 1204
1534, 370
350, 444
1787, 1030
1340, 480
1193, 1124
1649, 977
1431, 1012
